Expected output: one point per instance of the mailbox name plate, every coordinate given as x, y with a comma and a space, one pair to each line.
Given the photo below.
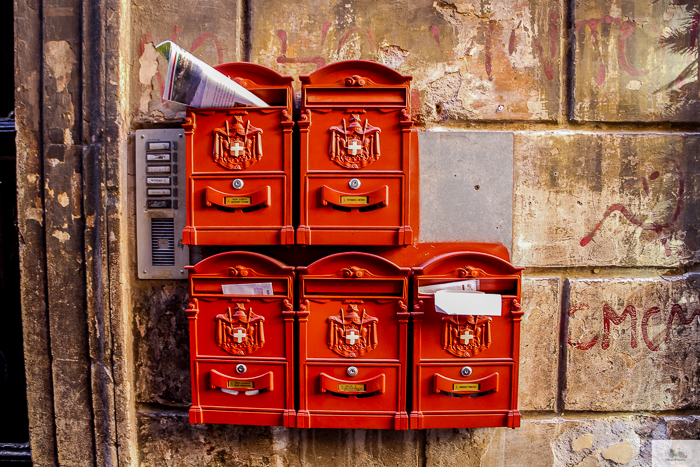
354, 199
236, 200
466, 387
352, 387
241, 384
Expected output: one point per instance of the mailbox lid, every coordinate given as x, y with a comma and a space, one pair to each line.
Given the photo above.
443, 389
244, 328
265, 382
465, 337
244, 266
377, 204
374, 389
375, 140
355, 330
255, 135
260, 203
355, 83
353, 265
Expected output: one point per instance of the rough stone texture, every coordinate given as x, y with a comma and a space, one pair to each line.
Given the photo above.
546, 442
497, 60
226, 445
539, 344
162, 359
623, 72
586, 199
209, 29
466, 175
634, 344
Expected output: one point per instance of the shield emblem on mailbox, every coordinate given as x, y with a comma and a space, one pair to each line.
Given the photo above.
351, 334
466, 336
239, 146
240, 333
354, 145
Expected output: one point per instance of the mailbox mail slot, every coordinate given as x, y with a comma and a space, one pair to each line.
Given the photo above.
239, 165
465, 356
359, 157
242, 340
353, 322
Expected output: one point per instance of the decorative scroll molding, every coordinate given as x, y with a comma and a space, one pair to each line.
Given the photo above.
351, 334
354, 145
240, 333
357, 80
470, 271
241, 271
354, 272
239, 146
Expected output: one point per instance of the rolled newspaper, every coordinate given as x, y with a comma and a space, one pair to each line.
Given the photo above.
192, 82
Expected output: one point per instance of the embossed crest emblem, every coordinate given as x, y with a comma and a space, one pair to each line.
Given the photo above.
354, 145
239, 146
351, 334
466, 336
240, 333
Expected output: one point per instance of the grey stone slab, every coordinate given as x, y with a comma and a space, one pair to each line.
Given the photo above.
466, 186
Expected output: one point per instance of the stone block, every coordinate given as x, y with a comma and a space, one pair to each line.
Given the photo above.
635, 62
601, 442
168, 439
210, 30
633, 344
539, 344
587, 199
464, 176
162, 358
470, 60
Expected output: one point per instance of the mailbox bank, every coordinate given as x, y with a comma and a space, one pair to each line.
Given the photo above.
241, 343
239, 165
465, 366
359, 157
353, 321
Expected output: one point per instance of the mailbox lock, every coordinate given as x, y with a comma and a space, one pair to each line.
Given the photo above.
355, 183
241, 368
352, 371
466, 371
237, 184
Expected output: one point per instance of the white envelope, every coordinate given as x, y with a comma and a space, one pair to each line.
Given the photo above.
251, 288
456, 302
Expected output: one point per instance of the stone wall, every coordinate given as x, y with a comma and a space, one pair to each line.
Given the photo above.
605, 219
602, 100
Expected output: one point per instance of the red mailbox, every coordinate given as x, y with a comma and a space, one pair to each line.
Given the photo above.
466, 345
353, 343
242, 340
359, 157
239, 165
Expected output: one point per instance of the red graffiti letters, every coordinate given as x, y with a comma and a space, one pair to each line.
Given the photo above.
677, 314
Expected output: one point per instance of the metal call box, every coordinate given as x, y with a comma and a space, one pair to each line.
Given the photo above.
239, 165
359, 157
466, 341
241, 340
353, 320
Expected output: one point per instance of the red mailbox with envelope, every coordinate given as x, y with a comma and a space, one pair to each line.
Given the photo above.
466, 342
242, 340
